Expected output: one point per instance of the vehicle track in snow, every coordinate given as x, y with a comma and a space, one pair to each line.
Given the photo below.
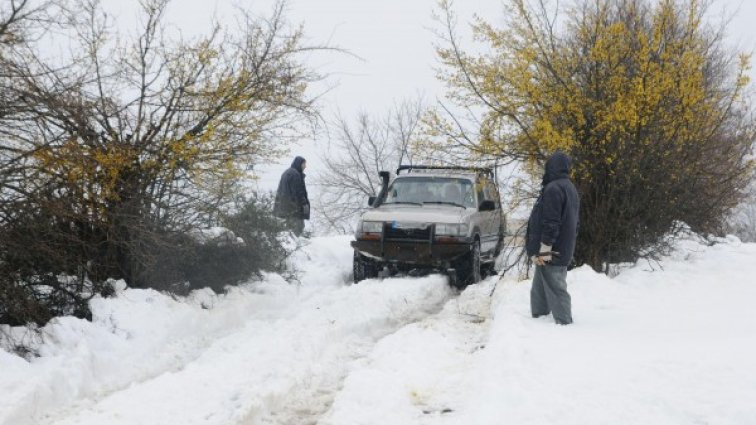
308, 404
277, 371
422, 366
463, 320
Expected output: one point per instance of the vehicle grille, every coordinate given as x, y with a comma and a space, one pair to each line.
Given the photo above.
406, 234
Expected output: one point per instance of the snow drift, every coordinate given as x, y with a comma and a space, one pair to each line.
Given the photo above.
667, 343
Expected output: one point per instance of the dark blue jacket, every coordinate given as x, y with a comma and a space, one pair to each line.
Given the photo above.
555, 215
291, 197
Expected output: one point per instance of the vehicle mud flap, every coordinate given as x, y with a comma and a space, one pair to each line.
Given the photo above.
488, 269
363, 268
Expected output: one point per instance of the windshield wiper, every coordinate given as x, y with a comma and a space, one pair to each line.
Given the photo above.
404, 202
445, 203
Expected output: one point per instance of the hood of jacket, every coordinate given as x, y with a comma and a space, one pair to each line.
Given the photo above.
297, 164
557, 167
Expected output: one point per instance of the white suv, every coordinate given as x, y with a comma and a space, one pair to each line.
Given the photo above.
428, 218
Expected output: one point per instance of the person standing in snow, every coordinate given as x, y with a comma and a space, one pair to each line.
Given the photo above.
291, 202
552, 228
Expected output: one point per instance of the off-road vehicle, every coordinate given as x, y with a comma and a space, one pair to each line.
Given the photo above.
429, 218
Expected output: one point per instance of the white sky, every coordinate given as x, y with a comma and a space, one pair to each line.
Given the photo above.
393, 38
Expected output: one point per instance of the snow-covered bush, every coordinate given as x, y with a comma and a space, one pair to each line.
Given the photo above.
247, 242
50, 269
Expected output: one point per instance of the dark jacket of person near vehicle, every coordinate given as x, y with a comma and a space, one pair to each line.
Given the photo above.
554, 219
291, 197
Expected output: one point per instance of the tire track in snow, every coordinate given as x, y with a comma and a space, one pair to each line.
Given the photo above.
307, 404
309, 401
272, 371
142, 334
415, 375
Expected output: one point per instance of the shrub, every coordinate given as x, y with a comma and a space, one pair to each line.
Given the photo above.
646, 97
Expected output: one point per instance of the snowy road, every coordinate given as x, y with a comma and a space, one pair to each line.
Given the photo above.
272, 353
272, 371
672, 346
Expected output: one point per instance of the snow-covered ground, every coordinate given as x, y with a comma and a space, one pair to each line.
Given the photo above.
670, 346
673, 346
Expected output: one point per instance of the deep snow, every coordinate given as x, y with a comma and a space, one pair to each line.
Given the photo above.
670, 346
265, 353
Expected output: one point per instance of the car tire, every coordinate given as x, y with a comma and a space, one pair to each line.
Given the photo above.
363, 268
469, 268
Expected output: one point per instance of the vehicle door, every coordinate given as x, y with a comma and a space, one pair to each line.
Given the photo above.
497, 225
487, 219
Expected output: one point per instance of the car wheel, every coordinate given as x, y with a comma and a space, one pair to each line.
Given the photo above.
468, 271
363, 268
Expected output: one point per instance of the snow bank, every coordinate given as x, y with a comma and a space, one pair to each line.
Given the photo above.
147, 358
672, 345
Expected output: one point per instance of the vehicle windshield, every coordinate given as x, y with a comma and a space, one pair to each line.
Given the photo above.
423, 190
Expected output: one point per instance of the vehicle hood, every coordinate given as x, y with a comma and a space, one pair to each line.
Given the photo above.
417, 214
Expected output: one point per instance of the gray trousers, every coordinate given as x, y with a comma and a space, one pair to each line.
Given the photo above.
549, 294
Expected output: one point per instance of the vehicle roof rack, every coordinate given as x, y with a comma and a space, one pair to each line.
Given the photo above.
410, 168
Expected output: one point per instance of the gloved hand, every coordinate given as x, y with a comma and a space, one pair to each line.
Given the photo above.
543, 260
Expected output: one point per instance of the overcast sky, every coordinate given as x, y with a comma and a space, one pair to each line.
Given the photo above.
393, 38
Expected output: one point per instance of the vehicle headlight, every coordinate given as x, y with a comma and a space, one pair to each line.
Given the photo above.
443, 229
372, 227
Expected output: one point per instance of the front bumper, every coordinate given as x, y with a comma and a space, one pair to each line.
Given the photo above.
424, 253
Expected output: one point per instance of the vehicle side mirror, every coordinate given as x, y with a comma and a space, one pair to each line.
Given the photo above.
487, 205
371, 200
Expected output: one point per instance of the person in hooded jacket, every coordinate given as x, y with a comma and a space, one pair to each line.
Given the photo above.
550, 240
292, 203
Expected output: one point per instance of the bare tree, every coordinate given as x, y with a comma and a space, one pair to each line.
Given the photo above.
21, 20
356, 155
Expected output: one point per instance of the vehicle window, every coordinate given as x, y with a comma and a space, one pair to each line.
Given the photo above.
432, 189
481, 186
492, 194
